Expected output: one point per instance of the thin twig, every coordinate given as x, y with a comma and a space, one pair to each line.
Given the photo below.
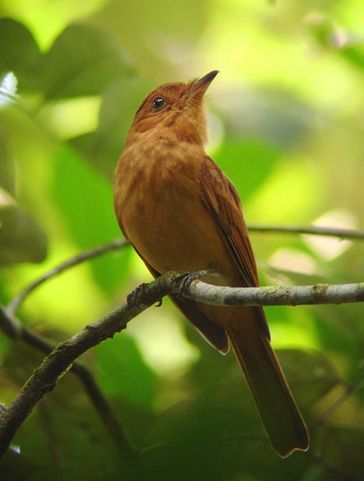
310, 230
14, 329
63, 266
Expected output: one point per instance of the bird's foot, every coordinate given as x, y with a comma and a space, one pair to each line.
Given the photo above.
137, 296
187, 278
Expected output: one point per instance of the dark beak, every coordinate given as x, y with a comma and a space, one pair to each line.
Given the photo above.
200, 85
207, 79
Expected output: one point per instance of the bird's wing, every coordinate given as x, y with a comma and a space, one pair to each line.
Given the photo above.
223, 204
213, 333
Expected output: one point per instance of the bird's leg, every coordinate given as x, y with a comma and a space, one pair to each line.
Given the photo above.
137, 295
187, 278
183, 281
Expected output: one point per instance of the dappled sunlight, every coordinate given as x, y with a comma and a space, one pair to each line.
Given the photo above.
296, 330
291, 195
8, 89
293, 260
329, 248
45, 308
6, 199
163, 342
70, 118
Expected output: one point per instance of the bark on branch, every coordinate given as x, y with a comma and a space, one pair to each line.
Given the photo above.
275, 296
59, 361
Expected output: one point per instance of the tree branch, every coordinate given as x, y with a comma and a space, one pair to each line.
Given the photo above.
274, 296
63, 266
11, 326
119, 243
15, 330
57, 363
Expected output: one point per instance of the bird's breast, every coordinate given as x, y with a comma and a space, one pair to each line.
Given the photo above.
159, 206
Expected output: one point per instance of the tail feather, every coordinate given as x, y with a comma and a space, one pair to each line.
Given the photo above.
279, 412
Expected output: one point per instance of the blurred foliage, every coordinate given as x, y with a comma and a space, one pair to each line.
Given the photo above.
286, 118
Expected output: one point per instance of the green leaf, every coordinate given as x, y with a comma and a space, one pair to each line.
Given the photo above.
85, 199
7, 166
119, 104
21, 239
19, 53
311, 375
338, 331
220, 436
354, 55
122, 372
248, 163
342, 447
81, 62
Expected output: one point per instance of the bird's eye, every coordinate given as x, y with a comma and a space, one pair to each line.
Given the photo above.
158, 103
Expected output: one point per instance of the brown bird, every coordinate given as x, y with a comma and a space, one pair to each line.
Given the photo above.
181, 213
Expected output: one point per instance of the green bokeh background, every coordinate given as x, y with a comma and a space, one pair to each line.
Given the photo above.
286, 125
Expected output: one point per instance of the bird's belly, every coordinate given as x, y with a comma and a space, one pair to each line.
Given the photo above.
173, 231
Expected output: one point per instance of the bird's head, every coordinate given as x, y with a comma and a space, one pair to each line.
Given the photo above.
177, 107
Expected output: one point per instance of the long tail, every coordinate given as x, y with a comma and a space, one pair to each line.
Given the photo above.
280, 415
